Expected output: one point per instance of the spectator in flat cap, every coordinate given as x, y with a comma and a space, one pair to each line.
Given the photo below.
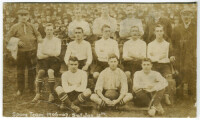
27, 45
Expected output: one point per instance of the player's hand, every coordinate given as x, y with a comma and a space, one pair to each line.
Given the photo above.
85, 68
135, 59
141, 57
151, 54
172, 58
74, 87
108, 101
45, 53
162, 57
133, 56
101, 50
114, 102
21, 44
77, 85
156, 80
40, 40
149, 87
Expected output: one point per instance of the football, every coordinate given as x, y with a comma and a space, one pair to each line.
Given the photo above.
111, 94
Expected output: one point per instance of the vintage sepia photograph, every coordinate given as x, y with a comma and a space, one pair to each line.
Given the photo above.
73, 59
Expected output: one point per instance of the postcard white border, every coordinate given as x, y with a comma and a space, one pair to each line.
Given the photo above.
124, 1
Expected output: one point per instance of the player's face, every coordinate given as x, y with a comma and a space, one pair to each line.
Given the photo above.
186, 17
78, 34
23, 17
118, 27
146, 66
49, 30
106, 32
159, 32
36, 25
134, 32
73, 66
104, 10
66, 21
43, 19
48, 18
176, 20
63, 28
157, 14
113, 62
59, 9
78, 13
129, 10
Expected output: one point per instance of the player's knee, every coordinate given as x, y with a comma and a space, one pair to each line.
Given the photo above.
168, 76
129, 96
87, 92
50, 73
59, 90
93, 97
41, 74
128, 74
95, 75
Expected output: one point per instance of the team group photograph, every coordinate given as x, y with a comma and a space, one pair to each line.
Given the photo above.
114, 59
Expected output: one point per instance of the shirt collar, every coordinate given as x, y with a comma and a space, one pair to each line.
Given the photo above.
23, 23
74, 72
148, 73
132, 18
112, 70
187, 25
105, 40
50, 39
160, 42
134, 40
78, 43
107, 17
78, 21
157, 20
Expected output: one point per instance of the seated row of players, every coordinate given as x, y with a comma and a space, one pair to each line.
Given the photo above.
111, 89
134, 51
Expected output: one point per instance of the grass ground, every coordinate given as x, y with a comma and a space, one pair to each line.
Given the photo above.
21, 107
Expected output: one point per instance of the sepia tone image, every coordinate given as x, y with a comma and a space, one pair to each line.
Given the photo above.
99, 59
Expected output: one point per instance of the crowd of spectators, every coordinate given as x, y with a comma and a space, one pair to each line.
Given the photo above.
62, 14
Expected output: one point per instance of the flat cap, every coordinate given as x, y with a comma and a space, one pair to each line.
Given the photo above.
22, 11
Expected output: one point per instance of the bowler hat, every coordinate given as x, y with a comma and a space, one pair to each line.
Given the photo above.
186, 11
